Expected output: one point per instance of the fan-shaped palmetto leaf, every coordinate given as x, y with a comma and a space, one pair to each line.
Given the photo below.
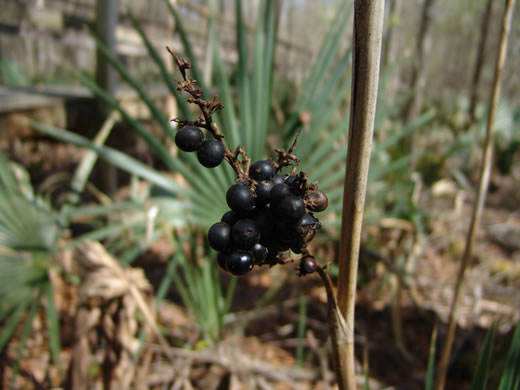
28, 238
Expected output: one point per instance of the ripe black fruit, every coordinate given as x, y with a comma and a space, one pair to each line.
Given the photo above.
221, 260
291, 208
240, 199
189, 138
245, 233
211, 153
259, 253
219, 236
289, 180
263, 191
230, 217
279, 192
277, 179
239, 262
262, 170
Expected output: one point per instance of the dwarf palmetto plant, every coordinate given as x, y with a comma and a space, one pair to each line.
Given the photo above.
321, 149
29, 236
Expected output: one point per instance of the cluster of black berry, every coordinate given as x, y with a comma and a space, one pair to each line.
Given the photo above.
269, 215
210, 152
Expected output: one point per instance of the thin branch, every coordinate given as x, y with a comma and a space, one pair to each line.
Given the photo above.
478, 206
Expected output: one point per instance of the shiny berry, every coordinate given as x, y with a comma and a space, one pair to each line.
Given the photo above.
291, 208
240, 199
262, 170
308, 265
277, 179
230, 217
259, 253
289, 180
189, 138
211, 153
245, 233
239, 262
221, 260
219, 236
263, 191
279, 192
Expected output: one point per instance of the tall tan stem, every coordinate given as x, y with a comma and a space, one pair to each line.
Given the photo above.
368, 28
481, 194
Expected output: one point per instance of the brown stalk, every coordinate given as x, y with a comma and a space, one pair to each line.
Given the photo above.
478, 206
368, 28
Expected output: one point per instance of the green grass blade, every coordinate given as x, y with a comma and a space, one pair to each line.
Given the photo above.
7, 179
53, 324
201, 179
302, 319
168, 79
324, 145
401, 163
84, 169
153, 142
228, 114
325, 58
430, 371
332, 161
269, 32
417, 124
12, 322
244, 88
166, 281
197, 74
27, 328
230, 293
114, 157
125, 75
511, 374
480, 375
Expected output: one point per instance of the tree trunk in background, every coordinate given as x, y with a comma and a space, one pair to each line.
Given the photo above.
390, 45
389, 52
418, 78
479, 62
106, 77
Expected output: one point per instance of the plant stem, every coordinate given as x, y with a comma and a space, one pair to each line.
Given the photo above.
368, 28
485, 172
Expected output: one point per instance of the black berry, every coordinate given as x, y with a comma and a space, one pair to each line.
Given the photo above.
291, 208
262, 170
221, 260
263, 191
308, 265
239, 262
230, 217
279, 192
277, 179
211, 153
245, 233
189, 138
240, 199
219, 236
259, 253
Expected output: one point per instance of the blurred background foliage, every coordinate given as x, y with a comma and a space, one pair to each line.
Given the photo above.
278, 66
